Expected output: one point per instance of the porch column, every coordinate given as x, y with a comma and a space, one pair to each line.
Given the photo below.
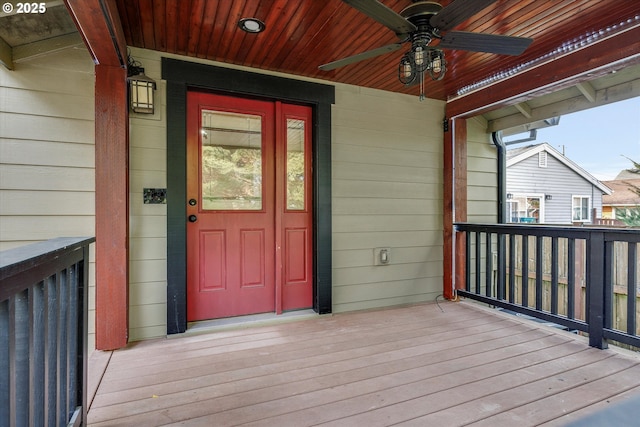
99, 24
112, 207
455, 205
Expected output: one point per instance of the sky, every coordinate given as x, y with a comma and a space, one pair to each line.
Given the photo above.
596, 139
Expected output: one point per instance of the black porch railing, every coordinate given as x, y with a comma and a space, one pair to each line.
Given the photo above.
585, 279
43, 333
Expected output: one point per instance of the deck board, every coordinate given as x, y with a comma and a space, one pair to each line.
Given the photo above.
453, 364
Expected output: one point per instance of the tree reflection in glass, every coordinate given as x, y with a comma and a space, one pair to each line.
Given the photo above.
231, 162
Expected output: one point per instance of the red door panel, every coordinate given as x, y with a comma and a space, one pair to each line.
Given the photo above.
296, 252
252, 258
212, 261
249, 190
230, 158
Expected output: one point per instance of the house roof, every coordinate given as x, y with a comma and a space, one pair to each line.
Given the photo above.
516, 155
622, 194
627, 174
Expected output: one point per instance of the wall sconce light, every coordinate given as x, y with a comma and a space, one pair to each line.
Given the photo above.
547, 197
141, 88
509, 196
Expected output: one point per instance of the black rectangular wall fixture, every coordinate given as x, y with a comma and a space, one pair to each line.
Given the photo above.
154, 196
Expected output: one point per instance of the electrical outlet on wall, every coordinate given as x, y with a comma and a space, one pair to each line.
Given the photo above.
381, 256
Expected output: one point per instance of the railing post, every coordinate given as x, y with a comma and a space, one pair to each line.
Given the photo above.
502, 267
83, 325
462, 245
632, 276
596, 259
467, 262
478, 262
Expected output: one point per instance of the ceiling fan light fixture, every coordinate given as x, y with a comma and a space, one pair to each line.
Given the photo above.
437, 64
251, 25
418, 54
420, 61
406, 70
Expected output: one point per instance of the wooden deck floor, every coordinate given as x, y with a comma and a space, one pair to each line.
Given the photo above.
414, 365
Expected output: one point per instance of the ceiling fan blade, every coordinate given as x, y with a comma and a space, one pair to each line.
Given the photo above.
457, 12
478, 42
381, 13
360, 57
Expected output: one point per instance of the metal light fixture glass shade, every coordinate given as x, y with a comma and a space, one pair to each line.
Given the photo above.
407, 71
421, 60
437, 65
141, 93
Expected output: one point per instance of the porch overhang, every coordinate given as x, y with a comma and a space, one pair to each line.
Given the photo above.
99, 24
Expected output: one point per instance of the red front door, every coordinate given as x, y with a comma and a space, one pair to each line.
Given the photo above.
249, 207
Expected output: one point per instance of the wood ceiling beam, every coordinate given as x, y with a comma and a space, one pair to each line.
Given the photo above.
100, 27
605, 56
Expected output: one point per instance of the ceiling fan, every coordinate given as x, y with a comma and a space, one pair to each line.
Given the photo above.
423, 22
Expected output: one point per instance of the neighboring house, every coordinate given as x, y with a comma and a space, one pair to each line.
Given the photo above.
544, 186
622, 196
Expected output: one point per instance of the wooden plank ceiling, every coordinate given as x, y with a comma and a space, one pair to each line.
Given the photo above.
304, 34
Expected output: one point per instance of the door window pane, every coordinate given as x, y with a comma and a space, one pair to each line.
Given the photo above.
231, 161
295, 164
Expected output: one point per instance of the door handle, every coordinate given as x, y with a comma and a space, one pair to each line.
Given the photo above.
193, 218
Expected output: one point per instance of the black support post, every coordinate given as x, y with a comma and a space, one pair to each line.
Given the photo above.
596, 289
632, 278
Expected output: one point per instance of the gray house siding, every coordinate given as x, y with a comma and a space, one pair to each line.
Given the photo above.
556, 180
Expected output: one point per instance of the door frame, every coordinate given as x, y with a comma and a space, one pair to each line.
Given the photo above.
182, 76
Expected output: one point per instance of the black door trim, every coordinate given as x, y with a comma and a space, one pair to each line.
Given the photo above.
182, 76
